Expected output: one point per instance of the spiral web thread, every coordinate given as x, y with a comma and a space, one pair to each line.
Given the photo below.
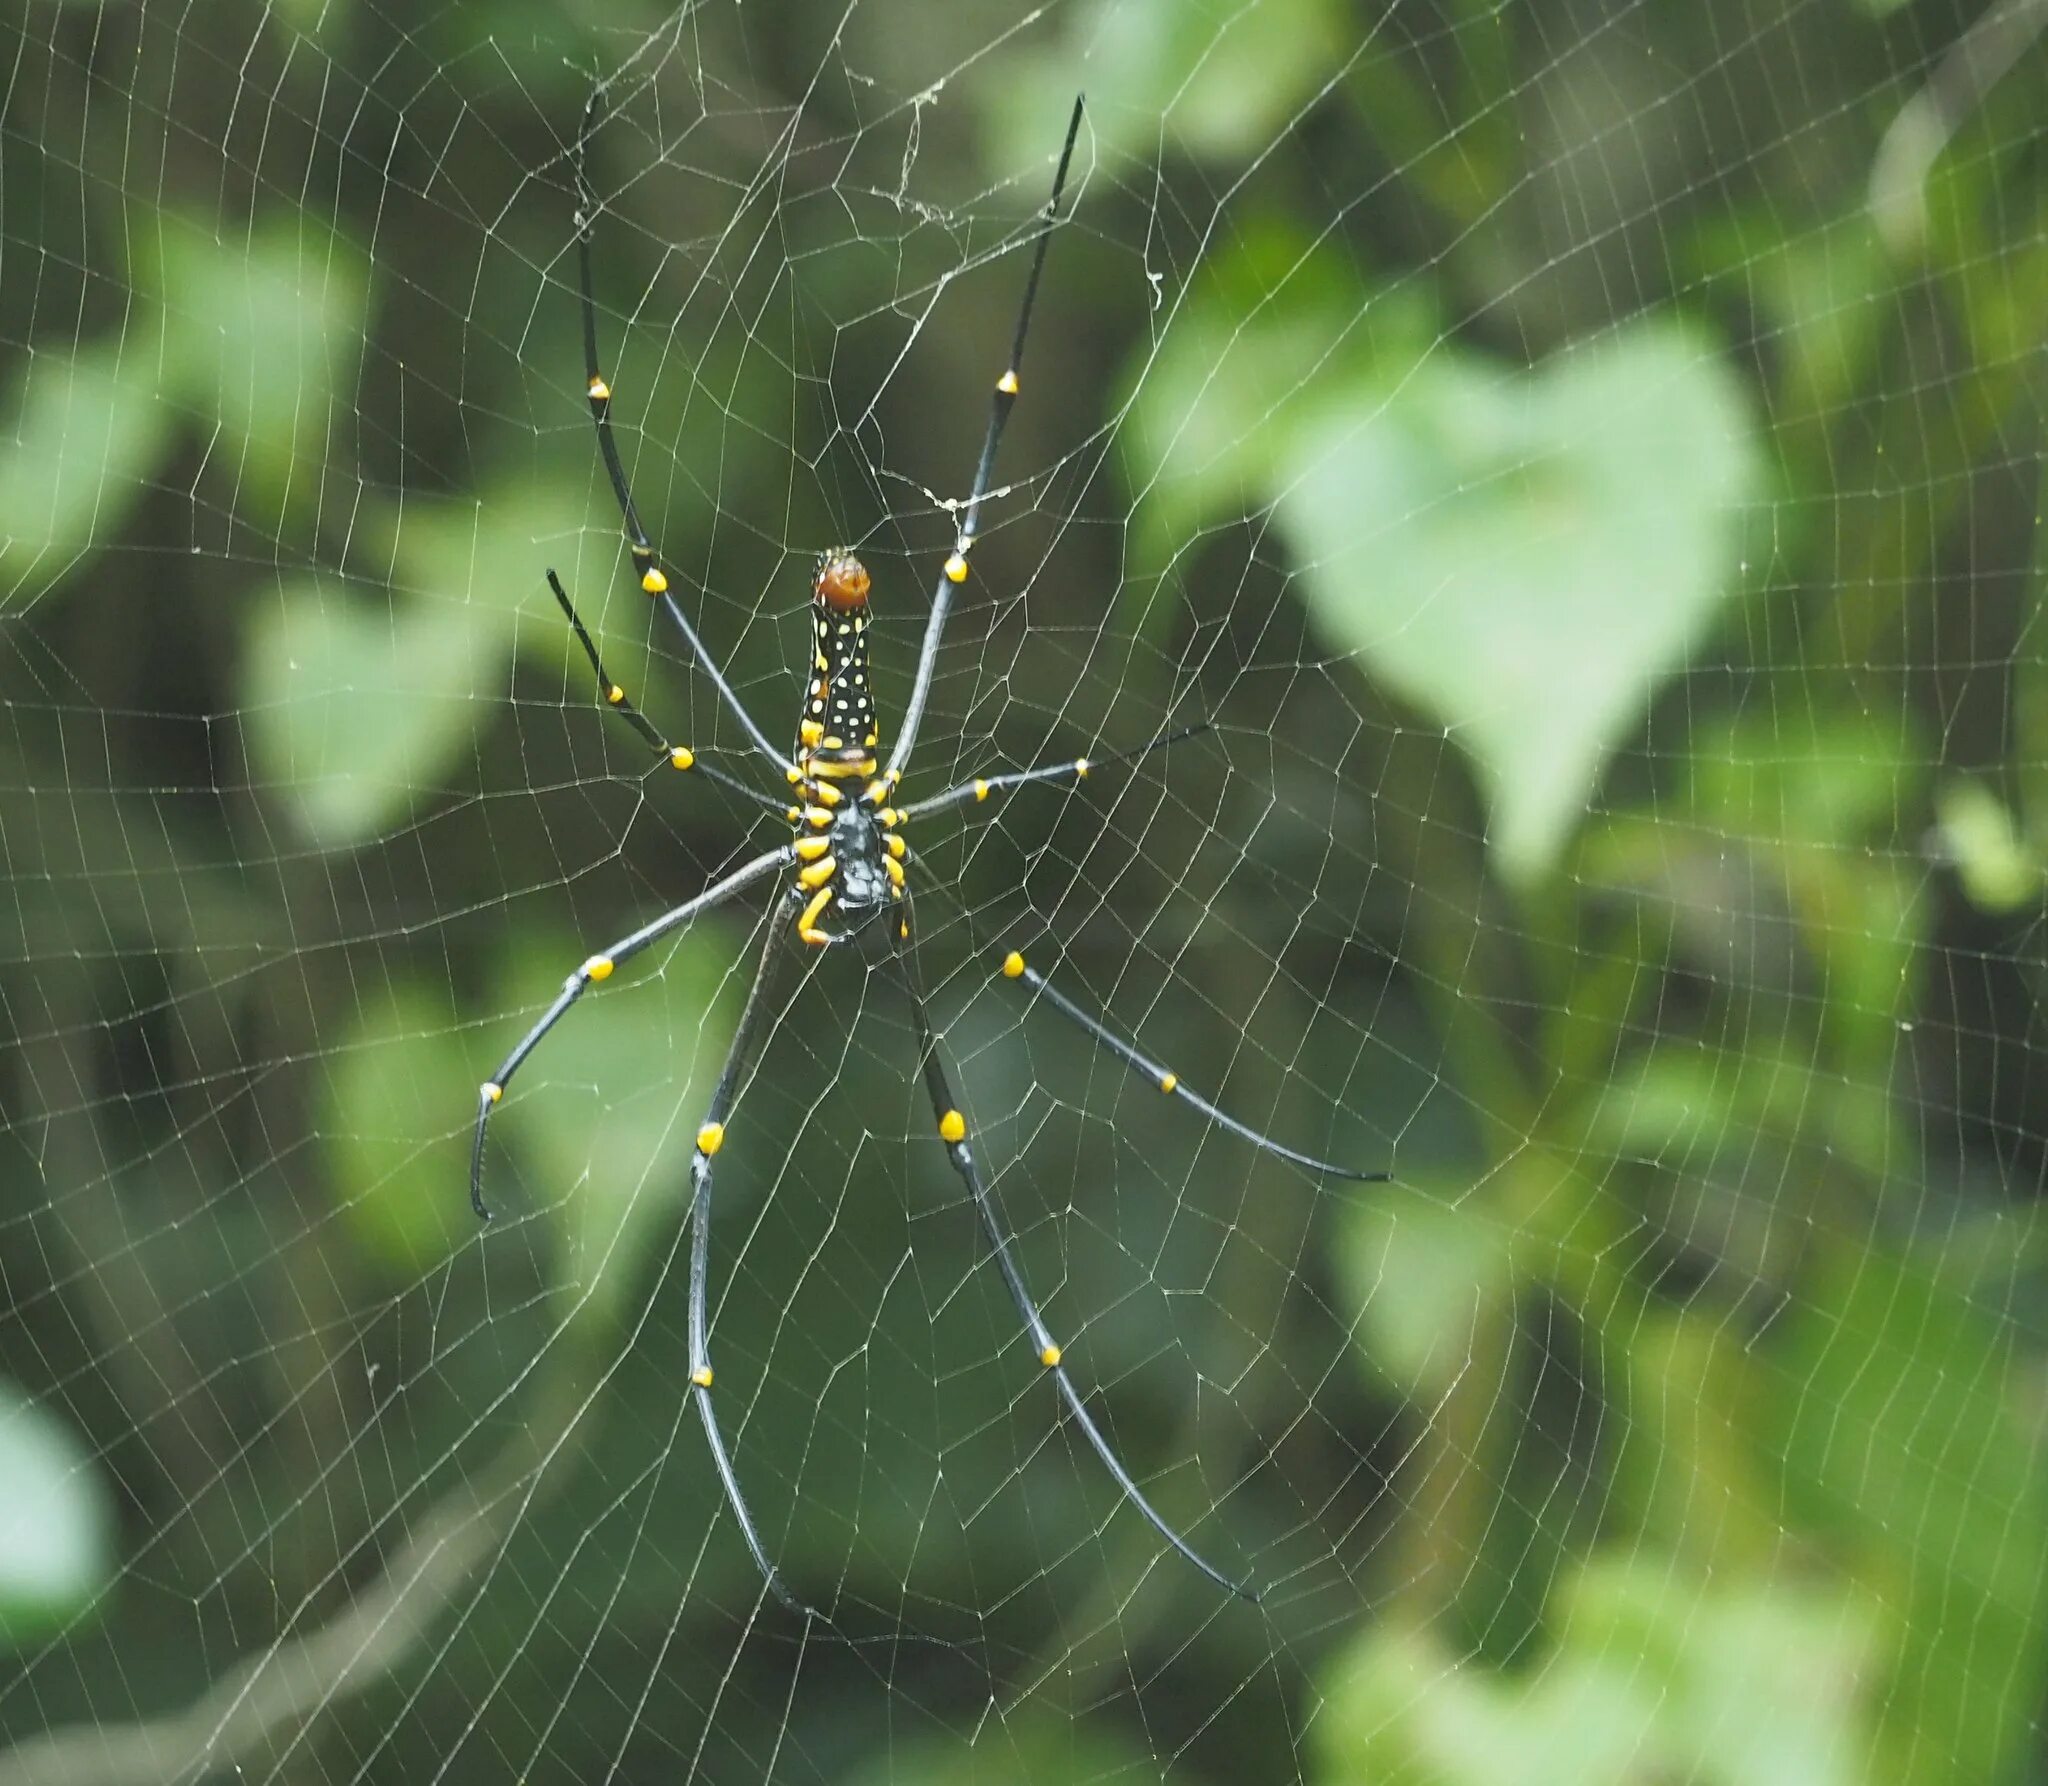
1577, 474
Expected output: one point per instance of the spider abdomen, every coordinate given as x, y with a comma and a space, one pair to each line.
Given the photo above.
857, 846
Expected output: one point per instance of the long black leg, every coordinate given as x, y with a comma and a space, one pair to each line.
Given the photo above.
1078, 767
1168, 1081
652, 577
614, 694
746, 1045
953, 1132
599, 967
954, 571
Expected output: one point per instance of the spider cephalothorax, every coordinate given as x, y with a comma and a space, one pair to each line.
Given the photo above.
846, 860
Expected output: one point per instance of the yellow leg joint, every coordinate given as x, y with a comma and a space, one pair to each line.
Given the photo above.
654, 582
615, 694
807, 920
710, 1138
1013, 964
981, 790
1007, 384
818, 873
1050, 1357
952, 1127
600, 391
683, 757
1081, 768
598, 967
1169, 1081
493, 1090
956, 568
701, 1376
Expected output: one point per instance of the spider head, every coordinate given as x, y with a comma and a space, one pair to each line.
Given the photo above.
842, 582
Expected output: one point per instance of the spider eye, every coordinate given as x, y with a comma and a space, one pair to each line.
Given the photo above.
842, 582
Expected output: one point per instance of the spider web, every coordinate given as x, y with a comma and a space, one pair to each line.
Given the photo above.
1578, 469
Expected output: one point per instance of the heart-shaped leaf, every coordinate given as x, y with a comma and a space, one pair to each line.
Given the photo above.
1526, 556
365, 698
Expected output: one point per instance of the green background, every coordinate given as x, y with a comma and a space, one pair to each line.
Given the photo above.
1586, 463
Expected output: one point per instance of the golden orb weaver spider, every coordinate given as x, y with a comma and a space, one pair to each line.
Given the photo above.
847, 858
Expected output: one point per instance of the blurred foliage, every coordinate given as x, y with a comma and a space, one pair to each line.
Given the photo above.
1612, 557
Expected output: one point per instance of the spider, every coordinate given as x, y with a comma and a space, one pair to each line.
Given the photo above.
843, 871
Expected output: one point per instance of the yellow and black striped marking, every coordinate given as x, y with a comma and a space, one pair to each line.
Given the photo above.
836, 738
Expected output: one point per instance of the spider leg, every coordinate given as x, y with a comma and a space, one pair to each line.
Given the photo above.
746, 1045
1168, 1081
954, 571
599, 967
1078, 767
652, 577
679, 756
953, 1132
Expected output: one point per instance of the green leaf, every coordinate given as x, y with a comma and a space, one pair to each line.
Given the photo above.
1276, 338
1422, 1273
260, 333
363, 702
1903, 1434
399, 1098
356, 710
88, 431
1999, 874
56, 1521
1218, 82
1526, 557
1654, 1674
